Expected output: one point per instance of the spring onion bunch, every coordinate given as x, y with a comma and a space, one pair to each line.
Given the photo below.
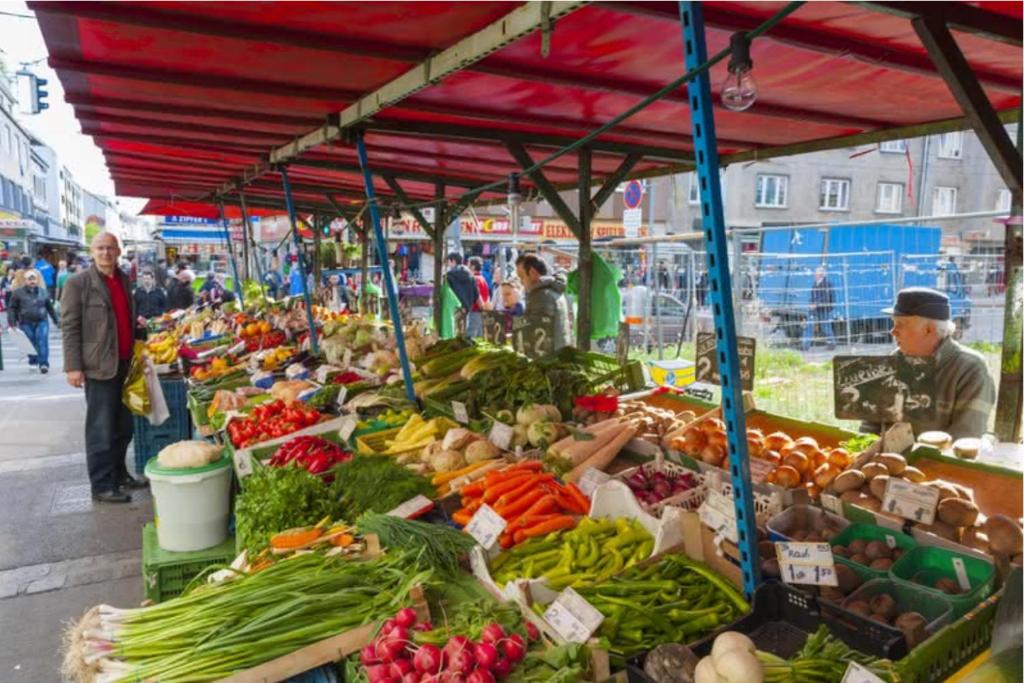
220, 629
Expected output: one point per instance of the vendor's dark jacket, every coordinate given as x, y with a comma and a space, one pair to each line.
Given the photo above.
463, 284
547, 299
89, 325
30, 305
152, 303
179, 296
964, 394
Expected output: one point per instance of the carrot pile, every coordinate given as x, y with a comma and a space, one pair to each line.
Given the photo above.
529, 499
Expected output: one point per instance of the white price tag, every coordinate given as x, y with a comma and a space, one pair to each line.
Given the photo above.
413, 507
501, 435
486, 526
342, 395
243, 463
806, 563
759, 470
961, 574
346, 358
323, 372
591, 479
832, 503
719, 513
348, 425
237, 349
855, 673
573, 617
461, 414
910, 501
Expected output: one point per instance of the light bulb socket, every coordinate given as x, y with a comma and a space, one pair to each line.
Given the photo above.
514, 193
739, 59
396, 213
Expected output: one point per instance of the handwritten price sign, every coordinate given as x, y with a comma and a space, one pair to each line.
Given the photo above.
807, 563
486, 526
910, 501
573, 617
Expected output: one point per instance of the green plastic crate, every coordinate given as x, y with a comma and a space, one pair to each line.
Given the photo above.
937, 563
166, 574
952, 647
868, 533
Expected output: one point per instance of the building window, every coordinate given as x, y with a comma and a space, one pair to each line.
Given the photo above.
835, 194
890, 198
772, 191
951, 145
1003, 201
893, 146
944, 201
694, 195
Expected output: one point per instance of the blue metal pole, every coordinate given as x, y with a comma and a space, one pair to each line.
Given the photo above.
385, 266
705, 149
231, 255
297, 238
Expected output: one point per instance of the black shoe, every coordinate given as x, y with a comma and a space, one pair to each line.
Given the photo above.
112, 497
44, 369
133, 483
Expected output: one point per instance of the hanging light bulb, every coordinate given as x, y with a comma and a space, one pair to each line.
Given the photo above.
739, 91
515, 199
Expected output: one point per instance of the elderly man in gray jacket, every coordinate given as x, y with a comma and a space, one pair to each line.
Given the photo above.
964, 391
99, 327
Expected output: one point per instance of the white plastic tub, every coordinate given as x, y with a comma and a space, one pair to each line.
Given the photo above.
192, 505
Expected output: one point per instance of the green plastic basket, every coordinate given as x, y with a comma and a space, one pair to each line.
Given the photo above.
868, 533
953, 646
166, 574
931, 564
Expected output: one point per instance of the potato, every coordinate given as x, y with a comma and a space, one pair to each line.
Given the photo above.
847, 579
884, 605
848, 481
963, 492
912, 624
828, 534
881, 618
859, 607
912, 474
869, 502
957, 512
766, 549
946, 490
840, 457
881, 564
860, 558
894, 462
877, 486
947, 585
831, 594
824, 475
1004, 536
877, 549
897, 553
874, 469
973, 537
857, 545
840, 550
940, 529
850, 496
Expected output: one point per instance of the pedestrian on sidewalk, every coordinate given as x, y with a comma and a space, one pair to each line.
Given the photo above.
29, 307
150, 298
99, 326
823, 298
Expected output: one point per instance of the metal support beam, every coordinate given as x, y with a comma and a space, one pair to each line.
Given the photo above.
956, 71
250, 238
437, 238
314, 345
720, 285
586, 253
961, 16
237, 281
385, 267
396, 187
607, 189
547, 190
400, 173
1010, 400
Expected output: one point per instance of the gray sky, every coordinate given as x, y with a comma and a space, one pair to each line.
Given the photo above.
22, 41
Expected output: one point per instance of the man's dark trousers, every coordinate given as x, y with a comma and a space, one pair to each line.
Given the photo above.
108, 430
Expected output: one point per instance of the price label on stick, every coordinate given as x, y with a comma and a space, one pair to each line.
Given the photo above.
460, 412
910, 501
346, 358
501, 435
486, 526
806, 563
718, 513
342, 395
591, 479
857, 673
348, 425
414, 507
573, 617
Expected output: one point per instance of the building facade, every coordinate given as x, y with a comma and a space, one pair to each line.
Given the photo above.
18, 225
72, 205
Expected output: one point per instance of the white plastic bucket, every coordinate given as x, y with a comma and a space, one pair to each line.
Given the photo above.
192, 505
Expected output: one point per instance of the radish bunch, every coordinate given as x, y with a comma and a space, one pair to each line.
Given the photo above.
393, 657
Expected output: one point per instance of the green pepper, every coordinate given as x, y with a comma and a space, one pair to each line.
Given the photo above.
627, 538
618, 562
627, 587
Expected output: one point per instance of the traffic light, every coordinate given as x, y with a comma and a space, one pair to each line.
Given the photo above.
39, 95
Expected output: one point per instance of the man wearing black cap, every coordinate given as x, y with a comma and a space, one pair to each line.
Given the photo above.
964, 391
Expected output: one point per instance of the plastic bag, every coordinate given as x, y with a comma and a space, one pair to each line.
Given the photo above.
158, 411
134, 393
605, 298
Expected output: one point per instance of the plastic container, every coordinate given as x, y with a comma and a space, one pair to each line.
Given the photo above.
868, 533
687, 500
923, 566
166, 574
151, 439
782, 526
952, 646
935, 609
192, 504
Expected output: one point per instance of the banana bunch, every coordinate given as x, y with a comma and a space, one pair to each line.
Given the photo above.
418, 433
163, 348
275, 357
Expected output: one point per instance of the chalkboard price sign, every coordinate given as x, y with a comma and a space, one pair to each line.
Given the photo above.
533, 336
494, 327
707, 360
884, 388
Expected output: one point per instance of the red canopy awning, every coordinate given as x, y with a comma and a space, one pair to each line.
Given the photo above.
172, 207
185, 97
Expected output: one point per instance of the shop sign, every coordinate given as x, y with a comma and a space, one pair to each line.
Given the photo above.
707, 360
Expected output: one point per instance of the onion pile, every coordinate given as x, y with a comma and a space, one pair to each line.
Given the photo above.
653, 487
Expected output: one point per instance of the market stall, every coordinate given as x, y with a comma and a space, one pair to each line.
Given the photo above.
532, 513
